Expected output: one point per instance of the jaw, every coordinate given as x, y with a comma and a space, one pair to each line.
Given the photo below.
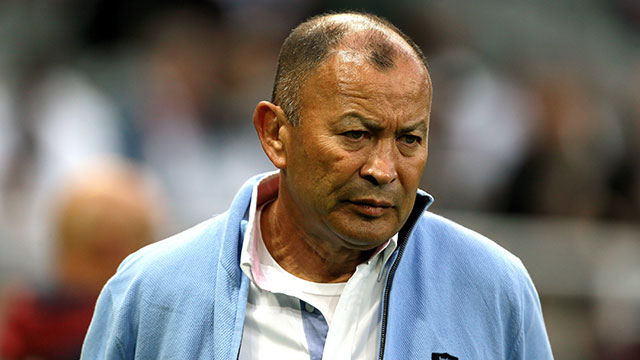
360, 231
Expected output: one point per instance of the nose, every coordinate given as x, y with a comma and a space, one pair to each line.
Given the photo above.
380, 167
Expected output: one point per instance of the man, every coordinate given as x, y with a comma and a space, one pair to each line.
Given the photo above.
104, 211
333, 256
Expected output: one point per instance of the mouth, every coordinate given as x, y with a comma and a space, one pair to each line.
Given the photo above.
371, 207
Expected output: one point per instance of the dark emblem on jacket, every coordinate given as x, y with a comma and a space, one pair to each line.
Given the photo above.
443, 356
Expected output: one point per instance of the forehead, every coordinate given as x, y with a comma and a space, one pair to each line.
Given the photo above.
347, 74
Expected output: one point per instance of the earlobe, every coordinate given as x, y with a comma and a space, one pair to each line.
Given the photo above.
269, 121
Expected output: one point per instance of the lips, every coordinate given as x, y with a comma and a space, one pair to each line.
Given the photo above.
373, 203
371, 207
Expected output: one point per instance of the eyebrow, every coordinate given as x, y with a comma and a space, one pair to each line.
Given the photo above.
418, 125
375, 126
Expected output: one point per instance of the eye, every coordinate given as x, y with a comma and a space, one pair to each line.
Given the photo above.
410, 139
355, 134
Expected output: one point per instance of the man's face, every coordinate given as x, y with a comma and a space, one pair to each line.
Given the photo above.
355, 161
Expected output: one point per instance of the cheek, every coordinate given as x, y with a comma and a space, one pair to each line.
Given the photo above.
412, 167
327, 149
413, 172
327, 160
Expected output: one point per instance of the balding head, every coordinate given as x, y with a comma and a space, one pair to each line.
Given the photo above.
107, 210
379, 42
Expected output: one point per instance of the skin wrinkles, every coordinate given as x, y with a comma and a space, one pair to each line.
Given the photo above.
352, 166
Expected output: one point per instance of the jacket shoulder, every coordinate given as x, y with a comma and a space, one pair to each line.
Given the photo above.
155, 291
173, 264
451, 241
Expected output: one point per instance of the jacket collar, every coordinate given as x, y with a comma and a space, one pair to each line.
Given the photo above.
422, 202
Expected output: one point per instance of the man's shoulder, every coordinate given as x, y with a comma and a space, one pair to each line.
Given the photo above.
191, 249
461, 249
180, 262
185, 246
165, 287
454, 234
190, 258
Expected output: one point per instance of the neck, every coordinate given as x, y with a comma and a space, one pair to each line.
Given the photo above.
302, 255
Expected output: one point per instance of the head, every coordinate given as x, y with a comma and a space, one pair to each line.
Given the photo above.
106, 211
348, 128
311, 42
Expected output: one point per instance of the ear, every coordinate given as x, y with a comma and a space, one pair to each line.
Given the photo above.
272, 126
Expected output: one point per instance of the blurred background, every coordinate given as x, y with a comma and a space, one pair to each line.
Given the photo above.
122, 122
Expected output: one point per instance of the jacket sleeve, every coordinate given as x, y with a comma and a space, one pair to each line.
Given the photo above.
102, 341
532, 342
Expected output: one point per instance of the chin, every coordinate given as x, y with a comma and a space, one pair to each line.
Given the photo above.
361, 234
366, 240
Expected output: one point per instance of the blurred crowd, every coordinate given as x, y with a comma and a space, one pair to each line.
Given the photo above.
147, 106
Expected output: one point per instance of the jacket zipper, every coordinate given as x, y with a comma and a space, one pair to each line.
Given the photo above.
387, 287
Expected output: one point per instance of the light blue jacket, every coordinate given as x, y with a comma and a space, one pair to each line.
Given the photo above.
450, 291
